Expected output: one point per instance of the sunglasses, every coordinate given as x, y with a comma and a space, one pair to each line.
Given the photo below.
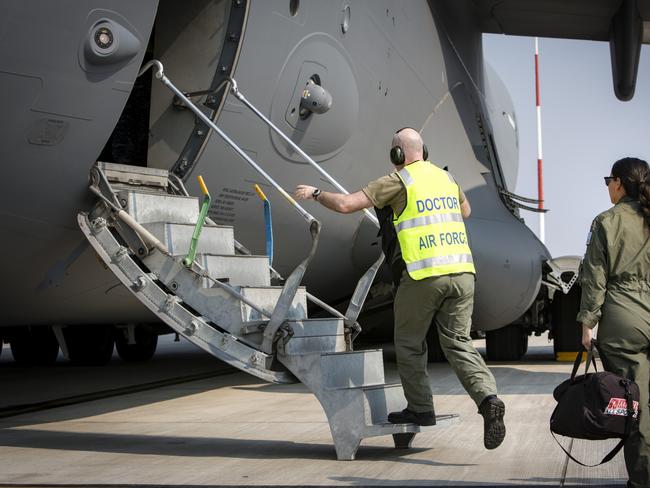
609, 179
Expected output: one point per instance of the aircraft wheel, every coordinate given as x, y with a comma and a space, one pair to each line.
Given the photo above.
567, 332
433, 346
89, 345
34, 346
146, 341
508, 343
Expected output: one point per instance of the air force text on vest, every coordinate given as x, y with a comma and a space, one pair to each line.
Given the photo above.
442, 239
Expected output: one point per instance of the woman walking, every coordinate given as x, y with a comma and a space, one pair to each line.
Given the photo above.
616, 295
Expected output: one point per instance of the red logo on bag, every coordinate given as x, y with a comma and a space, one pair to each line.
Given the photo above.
618, 406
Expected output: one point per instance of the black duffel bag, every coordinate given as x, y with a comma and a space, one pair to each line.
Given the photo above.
594, 406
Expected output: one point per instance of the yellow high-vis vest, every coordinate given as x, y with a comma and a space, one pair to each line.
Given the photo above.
430, 230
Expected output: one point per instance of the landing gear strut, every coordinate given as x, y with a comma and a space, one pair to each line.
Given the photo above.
34, 346
145, 340
567, 333
89, 345
508, 343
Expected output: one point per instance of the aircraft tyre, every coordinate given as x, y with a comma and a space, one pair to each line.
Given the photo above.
34, 346
89, 345
508, 343
146, 341
433, 346
567, 334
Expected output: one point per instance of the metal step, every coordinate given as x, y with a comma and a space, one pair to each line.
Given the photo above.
216, 304
403, 434
214, 239
148, 208
125, 176
317, 327
352, 369
314, 336
266, 297
239, 270
380, 400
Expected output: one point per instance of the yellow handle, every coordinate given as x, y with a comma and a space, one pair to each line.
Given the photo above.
260, 193
204, 188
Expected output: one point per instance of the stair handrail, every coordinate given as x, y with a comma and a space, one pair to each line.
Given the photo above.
234, 89
365, 282
281, 310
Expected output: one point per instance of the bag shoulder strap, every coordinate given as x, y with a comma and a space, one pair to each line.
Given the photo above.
606, 459
630, 407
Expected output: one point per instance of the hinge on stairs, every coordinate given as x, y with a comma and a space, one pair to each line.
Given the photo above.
253, 327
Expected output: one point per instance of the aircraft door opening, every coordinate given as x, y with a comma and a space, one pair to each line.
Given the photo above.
198, 44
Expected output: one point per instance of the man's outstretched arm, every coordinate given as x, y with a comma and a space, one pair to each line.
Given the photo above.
465, 207
338, 202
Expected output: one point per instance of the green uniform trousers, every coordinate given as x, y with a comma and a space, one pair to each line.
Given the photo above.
624, 345
449, 301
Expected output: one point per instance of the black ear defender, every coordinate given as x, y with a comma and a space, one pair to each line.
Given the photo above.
397, 154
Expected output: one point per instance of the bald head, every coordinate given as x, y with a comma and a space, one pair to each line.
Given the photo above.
411, 143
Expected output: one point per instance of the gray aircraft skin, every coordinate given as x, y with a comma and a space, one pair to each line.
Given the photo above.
387, 64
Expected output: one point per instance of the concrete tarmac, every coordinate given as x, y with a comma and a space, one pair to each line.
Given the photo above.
232, 429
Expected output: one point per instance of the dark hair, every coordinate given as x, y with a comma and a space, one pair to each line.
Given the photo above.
634, 175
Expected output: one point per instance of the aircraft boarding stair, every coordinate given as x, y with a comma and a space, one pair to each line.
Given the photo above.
222, 300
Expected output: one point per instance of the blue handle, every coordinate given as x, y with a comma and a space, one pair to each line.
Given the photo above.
268, 224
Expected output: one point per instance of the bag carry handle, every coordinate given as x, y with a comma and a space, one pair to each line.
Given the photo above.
590, 360
628, 400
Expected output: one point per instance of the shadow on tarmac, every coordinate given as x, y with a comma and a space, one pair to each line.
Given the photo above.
199, 447
127, 401
548, 482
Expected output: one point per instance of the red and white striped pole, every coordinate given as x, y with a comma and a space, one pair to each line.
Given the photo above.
540, 180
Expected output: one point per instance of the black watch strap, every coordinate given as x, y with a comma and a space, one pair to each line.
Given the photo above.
316, 193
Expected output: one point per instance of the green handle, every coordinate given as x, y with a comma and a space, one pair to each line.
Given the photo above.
205, 207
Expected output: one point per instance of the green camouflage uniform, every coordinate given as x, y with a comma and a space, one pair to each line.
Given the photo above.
615, 282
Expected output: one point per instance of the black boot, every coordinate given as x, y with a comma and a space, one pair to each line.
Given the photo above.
407, 416
494, 430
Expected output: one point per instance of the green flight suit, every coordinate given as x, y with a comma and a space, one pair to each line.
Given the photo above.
447, 301
615, 282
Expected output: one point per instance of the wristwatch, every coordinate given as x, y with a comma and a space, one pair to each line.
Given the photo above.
316, 193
